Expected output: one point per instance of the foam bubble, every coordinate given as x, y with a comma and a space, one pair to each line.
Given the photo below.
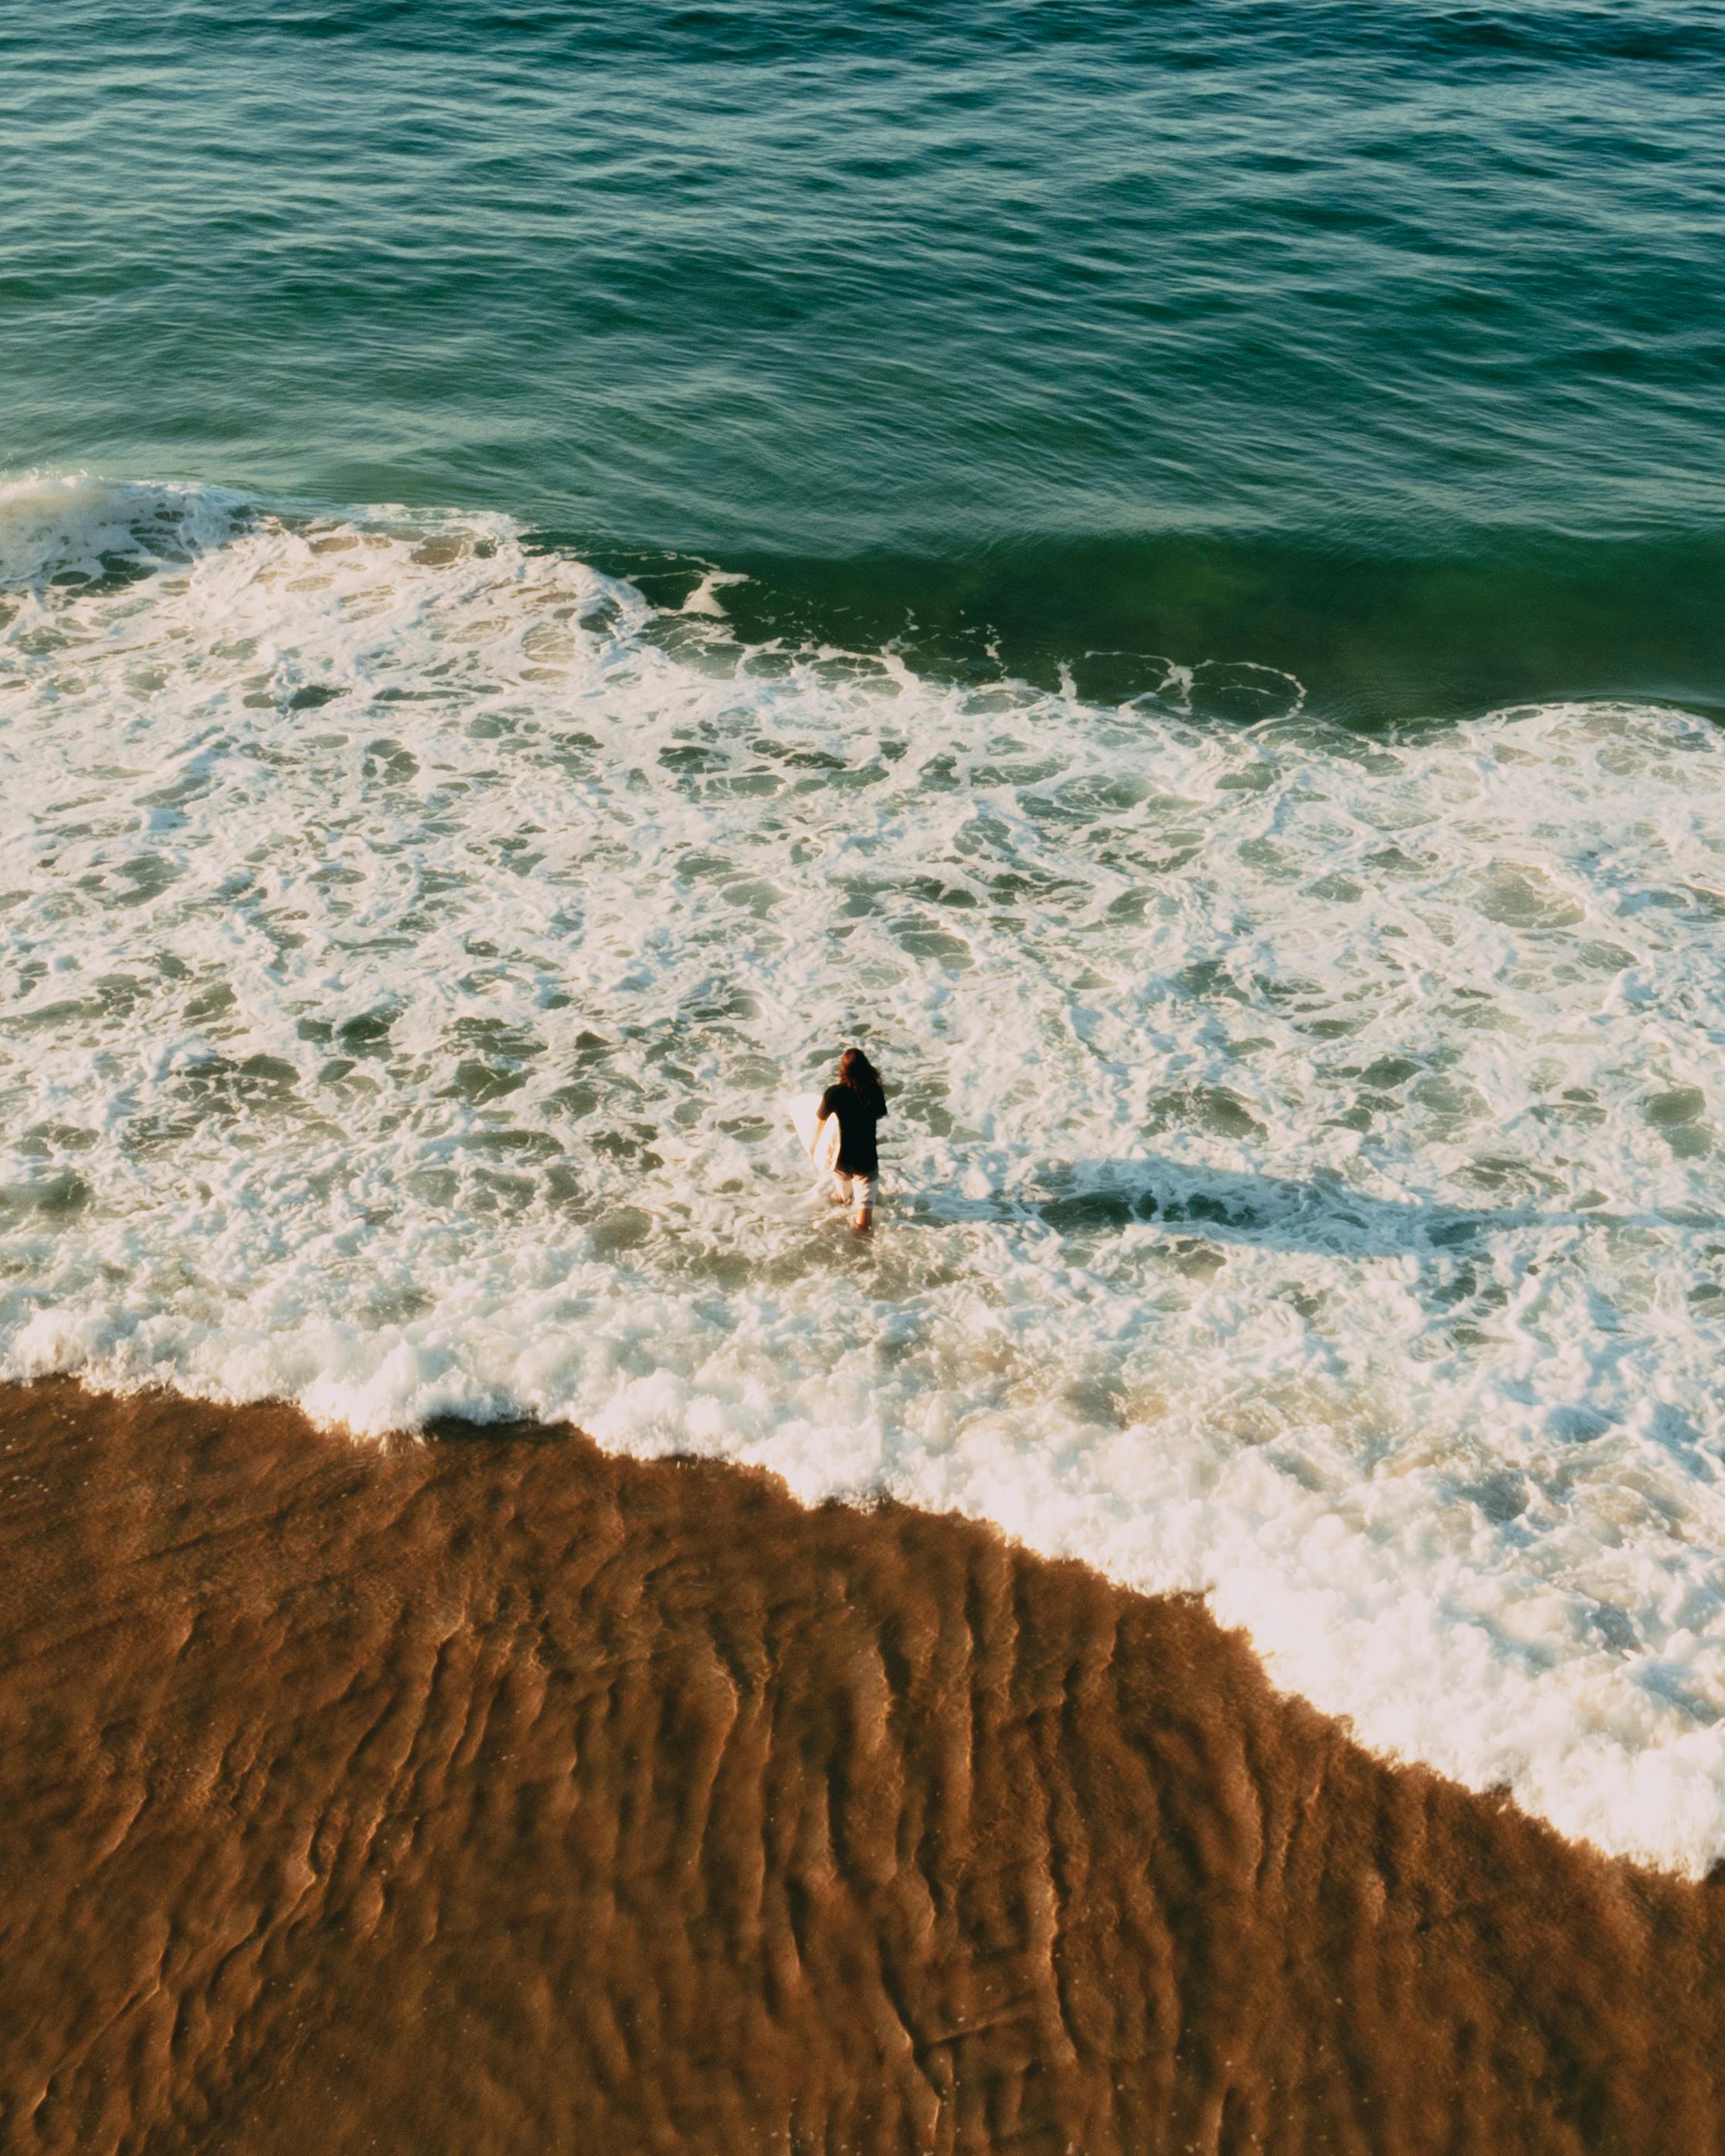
1303, 1180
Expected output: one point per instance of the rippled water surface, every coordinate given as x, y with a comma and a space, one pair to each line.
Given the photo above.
1379, 342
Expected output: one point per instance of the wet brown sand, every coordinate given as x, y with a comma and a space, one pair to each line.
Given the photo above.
496, 1795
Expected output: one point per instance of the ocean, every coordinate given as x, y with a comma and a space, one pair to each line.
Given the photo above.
1157, 565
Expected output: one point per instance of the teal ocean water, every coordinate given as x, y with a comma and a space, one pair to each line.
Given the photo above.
1377, 343
1160, 565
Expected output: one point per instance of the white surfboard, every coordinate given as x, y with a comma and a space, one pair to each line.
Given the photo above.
818, 1140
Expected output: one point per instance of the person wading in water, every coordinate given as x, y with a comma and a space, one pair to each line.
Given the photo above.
858, 1103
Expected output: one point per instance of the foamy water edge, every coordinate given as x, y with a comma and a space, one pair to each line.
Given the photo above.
1301, 1188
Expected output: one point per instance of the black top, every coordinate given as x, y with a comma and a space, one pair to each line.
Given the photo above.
857, 1115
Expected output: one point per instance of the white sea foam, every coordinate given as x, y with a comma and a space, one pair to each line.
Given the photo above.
1302, 1182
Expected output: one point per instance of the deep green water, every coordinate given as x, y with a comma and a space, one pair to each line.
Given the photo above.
1382, 343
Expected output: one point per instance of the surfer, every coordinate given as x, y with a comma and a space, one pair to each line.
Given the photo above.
858, 1103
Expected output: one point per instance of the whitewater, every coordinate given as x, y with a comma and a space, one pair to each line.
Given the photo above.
1303, 1184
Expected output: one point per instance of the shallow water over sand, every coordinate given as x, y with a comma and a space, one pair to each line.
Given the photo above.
498, 1793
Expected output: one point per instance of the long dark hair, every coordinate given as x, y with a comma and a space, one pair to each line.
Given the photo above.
859, 1075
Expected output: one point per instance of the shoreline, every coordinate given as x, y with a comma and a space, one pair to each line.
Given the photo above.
497, 1792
